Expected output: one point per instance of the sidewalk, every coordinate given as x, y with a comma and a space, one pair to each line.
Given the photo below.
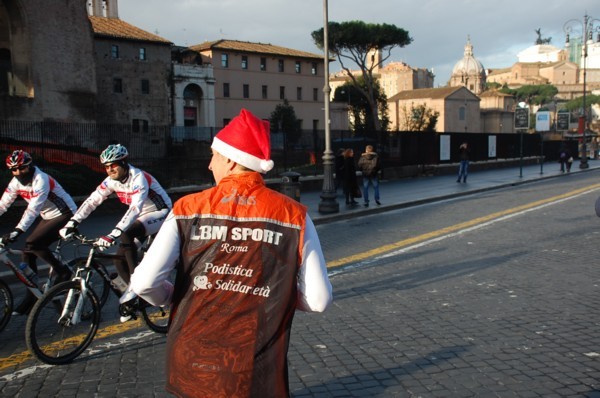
408, 192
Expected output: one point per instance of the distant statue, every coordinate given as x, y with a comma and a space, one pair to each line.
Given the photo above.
541, 40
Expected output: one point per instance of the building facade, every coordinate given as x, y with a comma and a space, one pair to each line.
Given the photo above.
47, 70
458, 108
259, 76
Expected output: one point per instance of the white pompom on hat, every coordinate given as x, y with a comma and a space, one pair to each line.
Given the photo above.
247, 141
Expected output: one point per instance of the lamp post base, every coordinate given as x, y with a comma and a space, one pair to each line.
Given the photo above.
328, 203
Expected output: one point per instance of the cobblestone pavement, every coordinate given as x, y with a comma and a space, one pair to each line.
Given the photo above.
508, 310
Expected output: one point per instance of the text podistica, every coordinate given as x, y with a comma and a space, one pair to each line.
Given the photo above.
222, 232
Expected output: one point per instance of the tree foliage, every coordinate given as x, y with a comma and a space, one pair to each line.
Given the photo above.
418, 118
577, 103
359, 107
532, 94
284, 119
356, 42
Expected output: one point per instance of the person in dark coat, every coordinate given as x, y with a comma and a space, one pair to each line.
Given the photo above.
350, 180
339, 168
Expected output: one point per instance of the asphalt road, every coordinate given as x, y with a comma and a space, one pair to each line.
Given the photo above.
493, 294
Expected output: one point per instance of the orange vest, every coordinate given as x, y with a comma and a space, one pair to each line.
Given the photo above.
236, 290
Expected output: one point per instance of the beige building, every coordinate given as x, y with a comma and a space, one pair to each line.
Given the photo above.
497, 112
259, 77
458, 108
393, 78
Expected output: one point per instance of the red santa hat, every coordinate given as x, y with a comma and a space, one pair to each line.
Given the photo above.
246, 140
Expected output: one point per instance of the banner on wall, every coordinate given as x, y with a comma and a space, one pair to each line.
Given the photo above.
444, 147
491, 146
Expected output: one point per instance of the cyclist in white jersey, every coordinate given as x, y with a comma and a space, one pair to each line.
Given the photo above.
148, 204
45, 199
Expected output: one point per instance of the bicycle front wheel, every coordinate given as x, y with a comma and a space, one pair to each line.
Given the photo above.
6, 304
54, 333
100, 285
156, 318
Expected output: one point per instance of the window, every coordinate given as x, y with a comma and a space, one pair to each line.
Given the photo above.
315, 94
145, 86
142, 54
281, 92
117, 85
225, 60
298, 67
263, 64
226, 90
299, 93
280, 65
244, 62
461, 113
114, 51
313, 68
264, 92
246, 90
315, 124
139, 125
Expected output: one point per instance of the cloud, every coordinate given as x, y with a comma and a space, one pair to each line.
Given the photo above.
498, 30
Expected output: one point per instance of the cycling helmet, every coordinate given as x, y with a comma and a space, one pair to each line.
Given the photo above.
113, 153
17, 159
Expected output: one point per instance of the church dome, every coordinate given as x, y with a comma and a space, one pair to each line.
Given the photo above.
469, 72
468, 65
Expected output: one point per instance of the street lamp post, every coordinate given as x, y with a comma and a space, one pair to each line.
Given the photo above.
328, 202
587, 30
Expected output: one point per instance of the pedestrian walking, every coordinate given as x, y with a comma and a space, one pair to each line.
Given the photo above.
247, 257
463, 169
565, 159
369, 165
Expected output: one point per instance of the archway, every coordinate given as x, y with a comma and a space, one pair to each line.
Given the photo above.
192, 97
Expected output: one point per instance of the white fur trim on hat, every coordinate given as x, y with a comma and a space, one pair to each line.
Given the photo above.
243, 158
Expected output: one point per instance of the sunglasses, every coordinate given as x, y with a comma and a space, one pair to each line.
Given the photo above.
111, 166
21, 168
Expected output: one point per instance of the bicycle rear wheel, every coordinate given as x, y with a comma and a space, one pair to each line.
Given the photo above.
6, 304
99, 285
156, 318
57, 340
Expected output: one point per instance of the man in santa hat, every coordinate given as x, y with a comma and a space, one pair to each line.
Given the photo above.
246, 258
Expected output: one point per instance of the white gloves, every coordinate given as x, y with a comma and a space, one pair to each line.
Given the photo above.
108, 240
10, 237
69, 229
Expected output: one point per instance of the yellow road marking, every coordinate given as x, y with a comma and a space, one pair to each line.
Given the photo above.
453, 228
111, 330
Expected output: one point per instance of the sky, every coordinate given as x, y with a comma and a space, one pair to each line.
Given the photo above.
498, 30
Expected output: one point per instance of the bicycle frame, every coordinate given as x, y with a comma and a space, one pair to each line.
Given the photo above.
35, 290
82, 275
4, 252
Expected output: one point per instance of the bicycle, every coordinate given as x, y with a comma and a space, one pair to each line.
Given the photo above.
64, 322
31, 283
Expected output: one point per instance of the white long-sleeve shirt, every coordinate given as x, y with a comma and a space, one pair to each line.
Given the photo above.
45, 197
140, 191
